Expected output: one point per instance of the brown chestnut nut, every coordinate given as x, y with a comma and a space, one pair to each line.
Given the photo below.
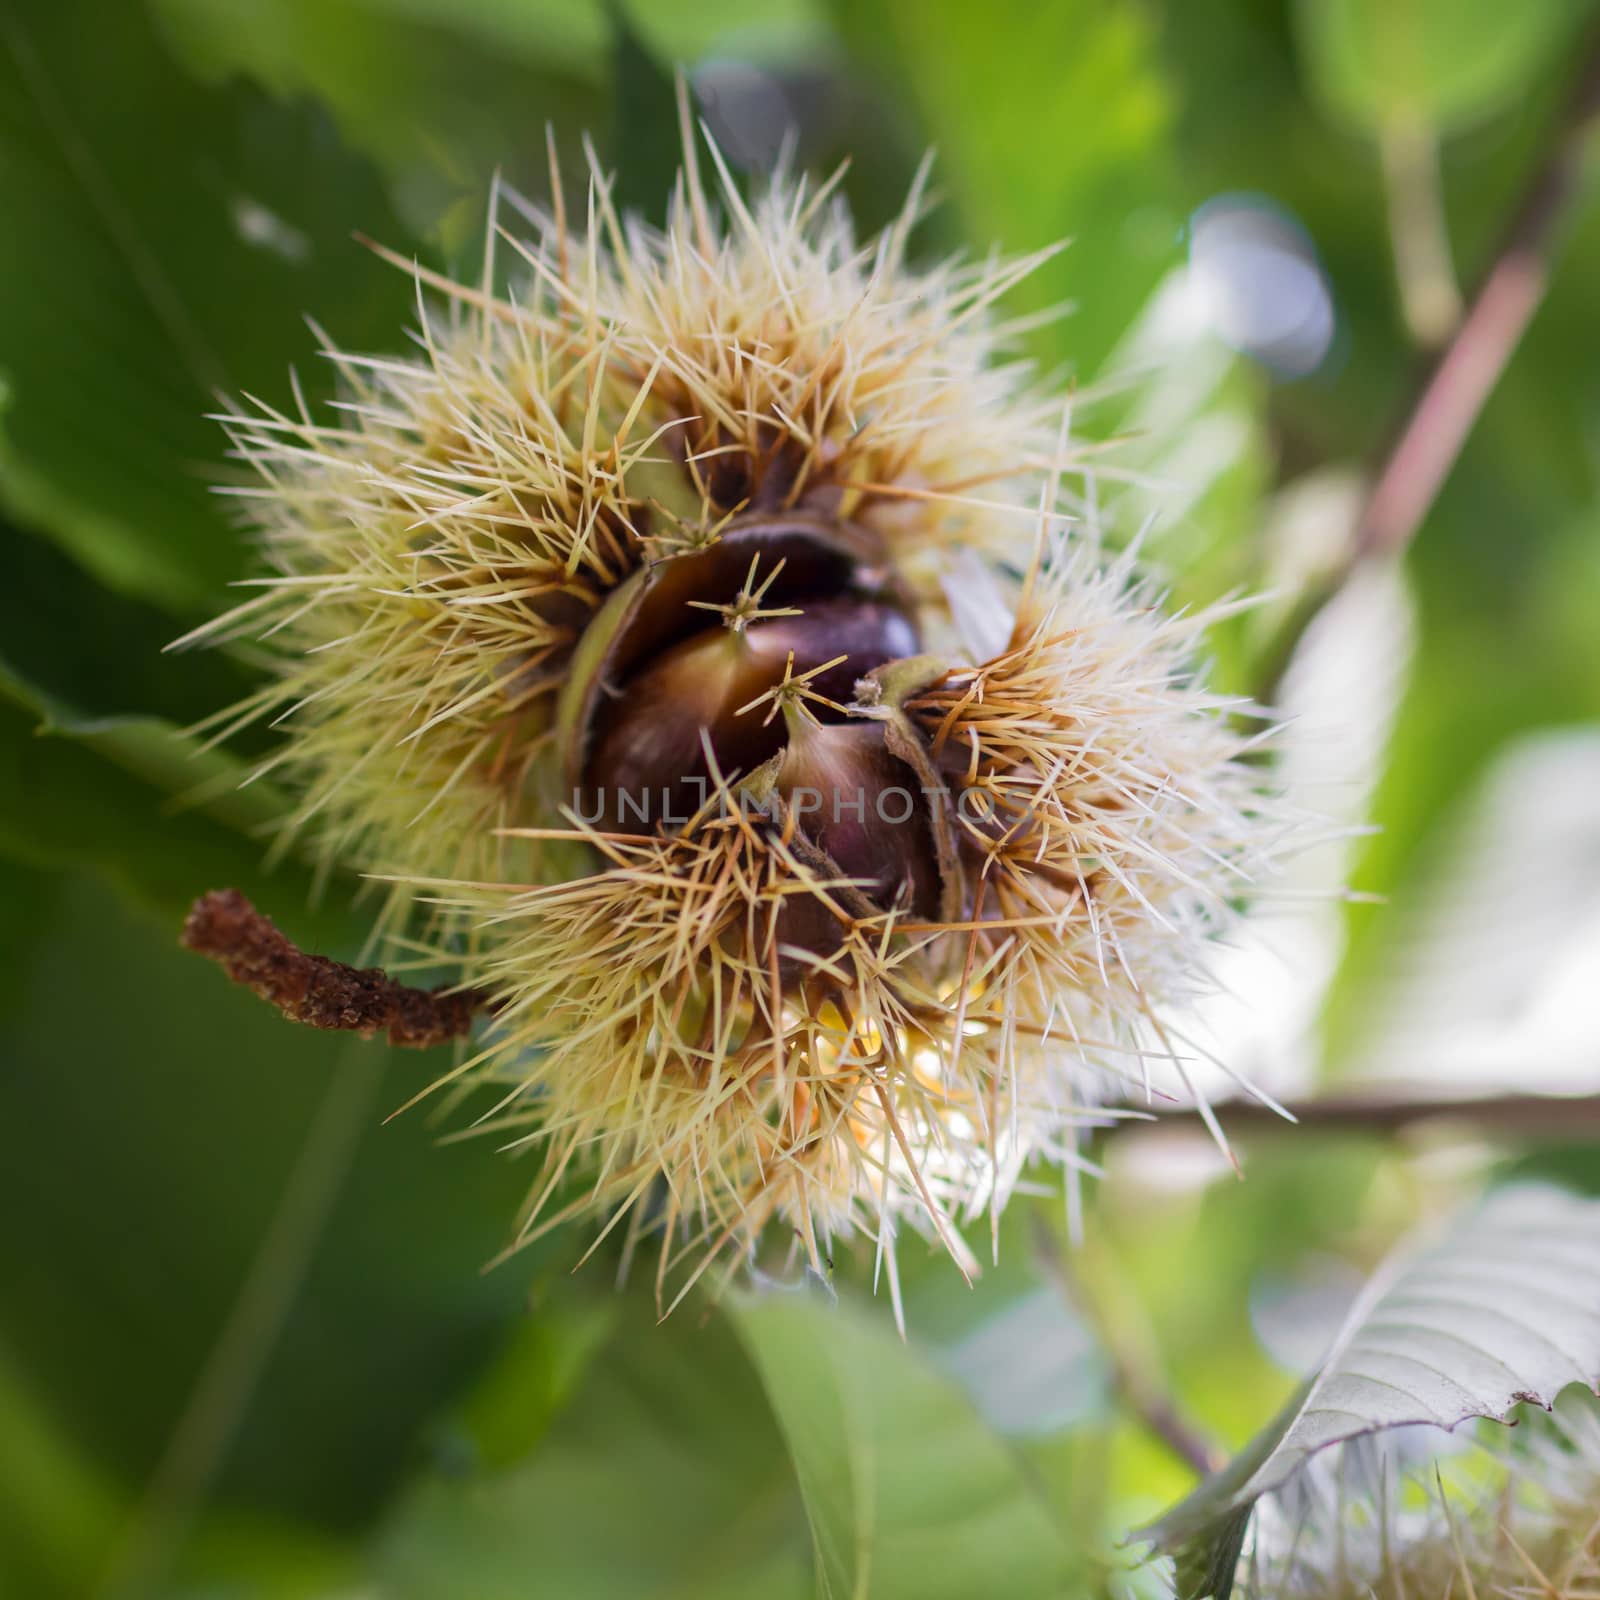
647, 760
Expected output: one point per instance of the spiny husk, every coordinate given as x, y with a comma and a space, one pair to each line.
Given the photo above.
708, 1025
652, 1033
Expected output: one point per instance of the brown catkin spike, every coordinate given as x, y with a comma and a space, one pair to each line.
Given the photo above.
316, 990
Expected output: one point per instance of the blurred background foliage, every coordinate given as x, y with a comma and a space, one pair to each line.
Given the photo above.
245, 1345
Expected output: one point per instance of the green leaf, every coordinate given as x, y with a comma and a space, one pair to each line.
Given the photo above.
908, 1492
175, 236
664, 1477
1443, 63
645, 122
1504, 1308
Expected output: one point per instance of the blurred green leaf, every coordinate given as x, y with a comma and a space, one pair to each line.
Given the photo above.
681, 32
1245, 127
26, 892
175, 236
1573, 1162
56, 1511
565, 32
438, 96
243, 1556
172, 762
101, 652
1465, 704
1441, 63
1482, 977
160, 1111
1051, 123
141, 801
664, 1477
1192, 429
908, 1492
533, 1378
1503, 1309
1011, 1340
63, 803
644, 127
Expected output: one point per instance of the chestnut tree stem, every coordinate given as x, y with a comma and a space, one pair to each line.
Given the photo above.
316, 990
1453, 392
1519, 1115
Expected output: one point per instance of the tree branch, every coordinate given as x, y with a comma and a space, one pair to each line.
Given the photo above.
1435, 425
1524, 1115
318, 991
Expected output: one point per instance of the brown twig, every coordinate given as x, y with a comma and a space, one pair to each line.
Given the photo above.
1435, 425
1525, 1115
318, 991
